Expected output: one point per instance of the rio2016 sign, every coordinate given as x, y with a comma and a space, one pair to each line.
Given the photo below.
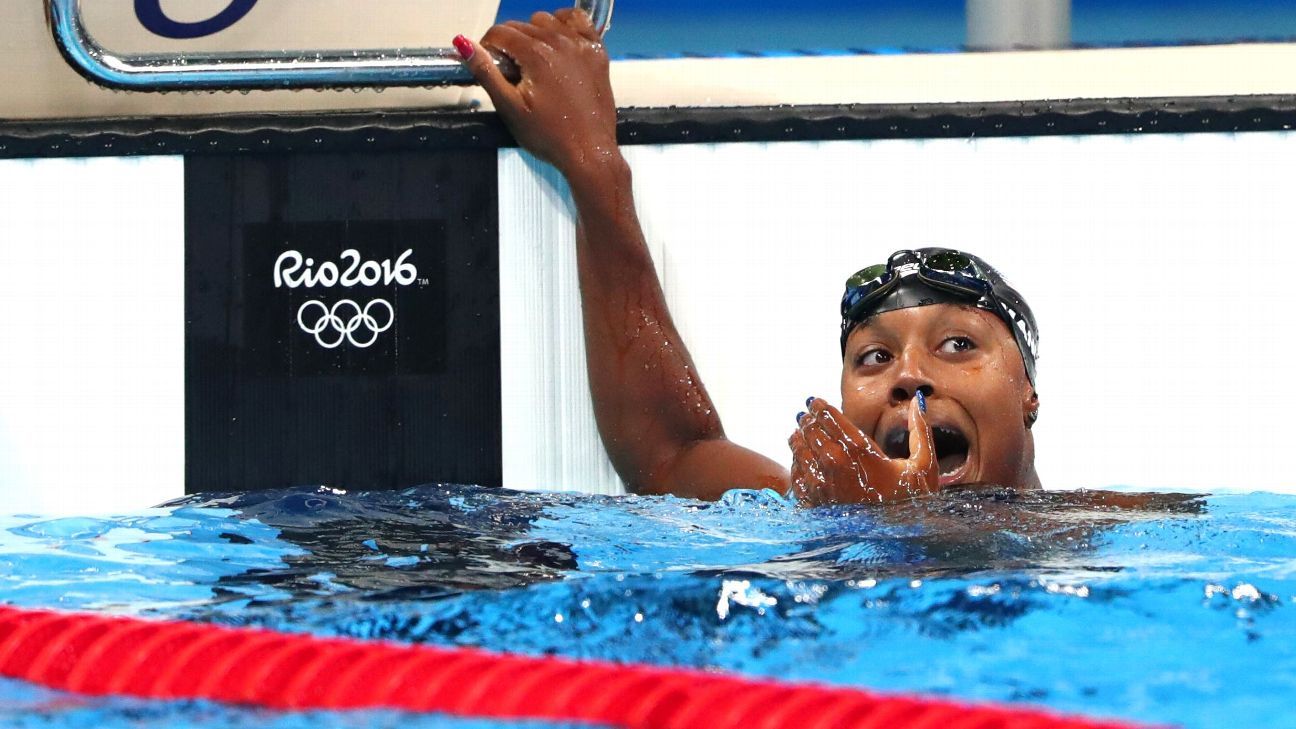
154, 18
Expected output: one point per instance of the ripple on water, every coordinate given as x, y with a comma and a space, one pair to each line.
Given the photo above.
1152, 607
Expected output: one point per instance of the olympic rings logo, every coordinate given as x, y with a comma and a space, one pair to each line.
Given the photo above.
343, 320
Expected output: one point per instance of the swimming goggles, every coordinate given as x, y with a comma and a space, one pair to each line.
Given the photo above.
947, 270
963, 275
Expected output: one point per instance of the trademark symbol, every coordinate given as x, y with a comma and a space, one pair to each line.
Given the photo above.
424, 282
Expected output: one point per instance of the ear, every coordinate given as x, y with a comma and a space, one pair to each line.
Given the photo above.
1030, 408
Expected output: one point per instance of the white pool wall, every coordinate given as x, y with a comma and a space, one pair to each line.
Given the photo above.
1159, 267
92, 346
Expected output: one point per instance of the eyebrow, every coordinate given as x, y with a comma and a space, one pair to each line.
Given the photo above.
882, 328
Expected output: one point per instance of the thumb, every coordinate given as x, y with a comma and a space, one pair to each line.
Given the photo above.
922, 444
481, 64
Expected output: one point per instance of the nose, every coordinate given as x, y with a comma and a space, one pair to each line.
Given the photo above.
910, 378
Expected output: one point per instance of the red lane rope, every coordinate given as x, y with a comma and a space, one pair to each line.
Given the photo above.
98, 654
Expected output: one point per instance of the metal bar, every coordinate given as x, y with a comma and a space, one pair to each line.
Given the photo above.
266, 69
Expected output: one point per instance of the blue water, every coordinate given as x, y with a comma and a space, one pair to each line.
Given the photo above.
1175, 610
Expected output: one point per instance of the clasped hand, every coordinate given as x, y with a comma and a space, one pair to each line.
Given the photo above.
835, 462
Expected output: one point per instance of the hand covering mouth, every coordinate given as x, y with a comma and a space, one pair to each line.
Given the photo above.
952, 447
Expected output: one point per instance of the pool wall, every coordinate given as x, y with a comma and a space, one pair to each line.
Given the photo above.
1139, 369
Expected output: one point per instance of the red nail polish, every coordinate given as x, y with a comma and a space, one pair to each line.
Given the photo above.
464, 46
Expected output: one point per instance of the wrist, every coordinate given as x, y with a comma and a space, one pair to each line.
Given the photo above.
598, 169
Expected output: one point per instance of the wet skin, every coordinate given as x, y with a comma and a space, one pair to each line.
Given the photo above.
657, 422
980, 406
967, 364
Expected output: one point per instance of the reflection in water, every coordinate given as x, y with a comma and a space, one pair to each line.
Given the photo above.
973, 529
417, 544
443, 541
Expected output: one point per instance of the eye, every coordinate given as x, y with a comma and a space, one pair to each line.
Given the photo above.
873, 357
954, 345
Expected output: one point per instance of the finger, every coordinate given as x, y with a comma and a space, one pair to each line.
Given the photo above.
553, 31
819, 440
808, 457
844, 474
838, 427
808, 482
801, 453
547, 37
863, 456
922, 444
579, 20
482, 66
522, 48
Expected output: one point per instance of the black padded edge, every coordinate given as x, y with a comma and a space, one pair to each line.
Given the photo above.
460, 129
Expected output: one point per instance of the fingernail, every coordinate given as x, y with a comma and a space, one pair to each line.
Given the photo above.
464, 46
922, 402
800, 415
809, 400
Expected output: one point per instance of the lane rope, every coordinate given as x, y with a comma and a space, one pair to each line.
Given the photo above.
154, 659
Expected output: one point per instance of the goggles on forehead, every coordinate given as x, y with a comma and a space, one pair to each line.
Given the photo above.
963, 276
945, 270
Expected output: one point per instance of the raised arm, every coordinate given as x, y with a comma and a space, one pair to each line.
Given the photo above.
657, 422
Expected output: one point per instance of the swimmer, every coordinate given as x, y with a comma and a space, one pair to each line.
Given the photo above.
938, 352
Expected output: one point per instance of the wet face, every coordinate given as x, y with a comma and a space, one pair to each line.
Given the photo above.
966, 363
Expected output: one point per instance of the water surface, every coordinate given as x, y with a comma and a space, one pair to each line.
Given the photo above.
1158, 608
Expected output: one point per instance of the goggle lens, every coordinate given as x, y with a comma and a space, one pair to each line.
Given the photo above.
866, 275
950, 261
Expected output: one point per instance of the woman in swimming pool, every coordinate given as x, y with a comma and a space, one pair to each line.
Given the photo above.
937, 382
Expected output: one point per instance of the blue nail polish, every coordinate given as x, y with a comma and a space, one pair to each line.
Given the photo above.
800, 415
922, 401
809, 400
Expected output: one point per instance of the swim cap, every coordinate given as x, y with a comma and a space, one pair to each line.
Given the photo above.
928, 276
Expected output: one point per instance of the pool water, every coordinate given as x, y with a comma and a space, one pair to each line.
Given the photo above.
23, 706
1158, 608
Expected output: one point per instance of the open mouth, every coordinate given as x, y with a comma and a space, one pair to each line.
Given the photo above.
951, 449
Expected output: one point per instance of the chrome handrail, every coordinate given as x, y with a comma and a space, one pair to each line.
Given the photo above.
268, 69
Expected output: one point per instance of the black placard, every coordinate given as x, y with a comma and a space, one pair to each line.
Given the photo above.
274, 396
345, 297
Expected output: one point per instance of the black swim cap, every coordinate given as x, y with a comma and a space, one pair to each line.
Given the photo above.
939, 276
